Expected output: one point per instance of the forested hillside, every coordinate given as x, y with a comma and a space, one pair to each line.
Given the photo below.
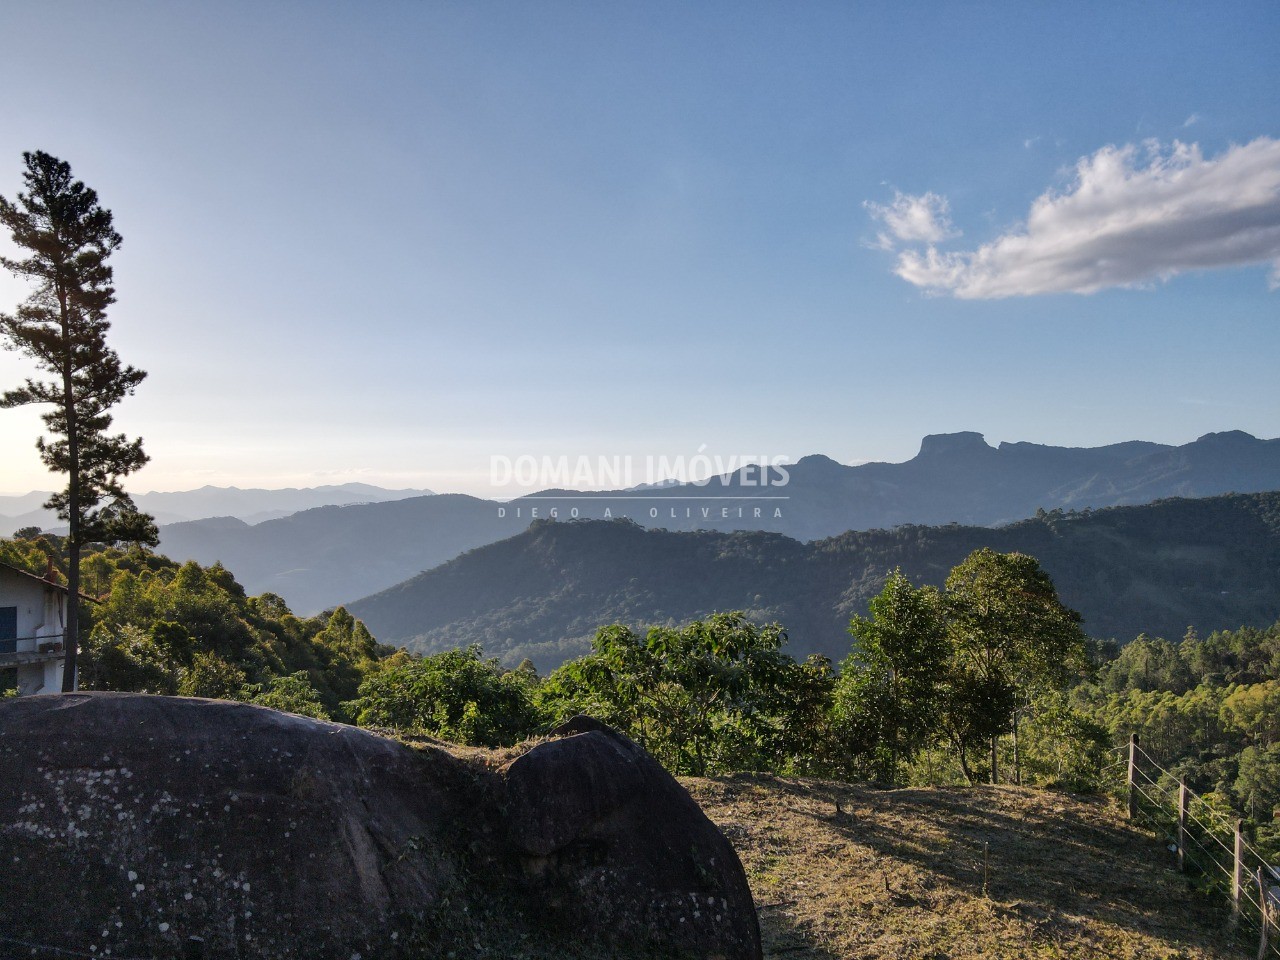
319, 557
1155, 569
989, 676
316, 558
169, 628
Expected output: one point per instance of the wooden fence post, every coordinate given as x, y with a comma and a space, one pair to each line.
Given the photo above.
1266, 917
1132, 780
1237, 872
1182, 826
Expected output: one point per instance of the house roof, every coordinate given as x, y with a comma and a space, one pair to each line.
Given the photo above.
43, 582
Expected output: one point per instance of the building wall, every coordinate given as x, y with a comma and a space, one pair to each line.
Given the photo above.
40, 620
28, 596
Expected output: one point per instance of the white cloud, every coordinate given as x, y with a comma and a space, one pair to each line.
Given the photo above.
922, 219
1193, 119
1121, 223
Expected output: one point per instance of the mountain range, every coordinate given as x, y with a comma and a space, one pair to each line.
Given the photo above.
1205, 563
955, 478
251, 506
320, 557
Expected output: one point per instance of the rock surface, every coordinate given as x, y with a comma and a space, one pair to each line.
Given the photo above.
620, 845
143, 826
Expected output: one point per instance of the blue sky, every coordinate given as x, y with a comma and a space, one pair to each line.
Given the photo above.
388, 242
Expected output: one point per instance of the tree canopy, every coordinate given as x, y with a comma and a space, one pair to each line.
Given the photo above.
887, 700
716, 694
722, 694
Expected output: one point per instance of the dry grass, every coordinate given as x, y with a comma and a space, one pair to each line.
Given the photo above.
900, 873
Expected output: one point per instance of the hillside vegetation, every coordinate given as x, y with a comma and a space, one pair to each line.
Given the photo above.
839, 870
930, 688
330, 555
900, 873
316, 558
1157, 569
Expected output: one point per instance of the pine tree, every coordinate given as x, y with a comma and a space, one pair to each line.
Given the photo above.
66, 237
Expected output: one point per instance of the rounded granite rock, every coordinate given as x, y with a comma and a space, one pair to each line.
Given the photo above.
141, 826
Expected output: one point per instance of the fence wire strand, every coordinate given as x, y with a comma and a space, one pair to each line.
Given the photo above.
1202, 830
1228, 850
1209, 856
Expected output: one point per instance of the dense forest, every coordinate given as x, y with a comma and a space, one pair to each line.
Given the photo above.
987, 676
169, 628
1159, 568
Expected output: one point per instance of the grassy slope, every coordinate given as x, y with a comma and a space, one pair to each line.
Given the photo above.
900, 874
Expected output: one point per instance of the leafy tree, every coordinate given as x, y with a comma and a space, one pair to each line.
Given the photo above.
119, 522
716, 694
1011, 638
887, 699
174, 642
35, 552
457, 695
211, 676
1253, 710
1206, 710
977, 707
292, 694
1147, 664
126, 658
1258, 782
1063, 746
801, 734
188, 609
346, 650
67, 238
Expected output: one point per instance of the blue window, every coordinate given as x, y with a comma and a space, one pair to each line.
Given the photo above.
8, 629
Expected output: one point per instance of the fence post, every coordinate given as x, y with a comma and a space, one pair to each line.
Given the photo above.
1266, 917
1132, 779
1182, 826
1237, 872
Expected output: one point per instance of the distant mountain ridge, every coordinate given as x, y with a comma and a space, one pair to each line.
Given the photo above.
251, 505
1208, 563
318, 558
330, 555
960, 478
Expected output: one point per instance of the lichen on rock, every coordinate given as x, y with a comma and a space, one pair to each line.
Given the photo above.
133, 825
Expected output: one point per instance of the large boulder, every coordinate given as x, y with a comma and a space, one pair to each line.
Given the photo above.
154, 826
619, 845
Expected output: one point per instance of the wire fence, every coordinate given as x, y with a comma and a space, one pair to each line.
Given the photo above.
1209, 845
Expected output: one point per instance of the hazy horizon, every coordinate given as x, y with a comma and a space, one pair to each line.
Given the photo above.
386, 245
488, 491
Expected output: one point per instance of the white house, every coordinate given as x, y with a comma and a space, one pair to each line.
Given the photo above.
33, 612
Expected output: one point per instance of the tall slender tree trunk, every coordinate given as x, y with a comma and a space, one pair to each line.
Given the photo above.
1017, 754
995, 772
71, 636
71, 639
964, 762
